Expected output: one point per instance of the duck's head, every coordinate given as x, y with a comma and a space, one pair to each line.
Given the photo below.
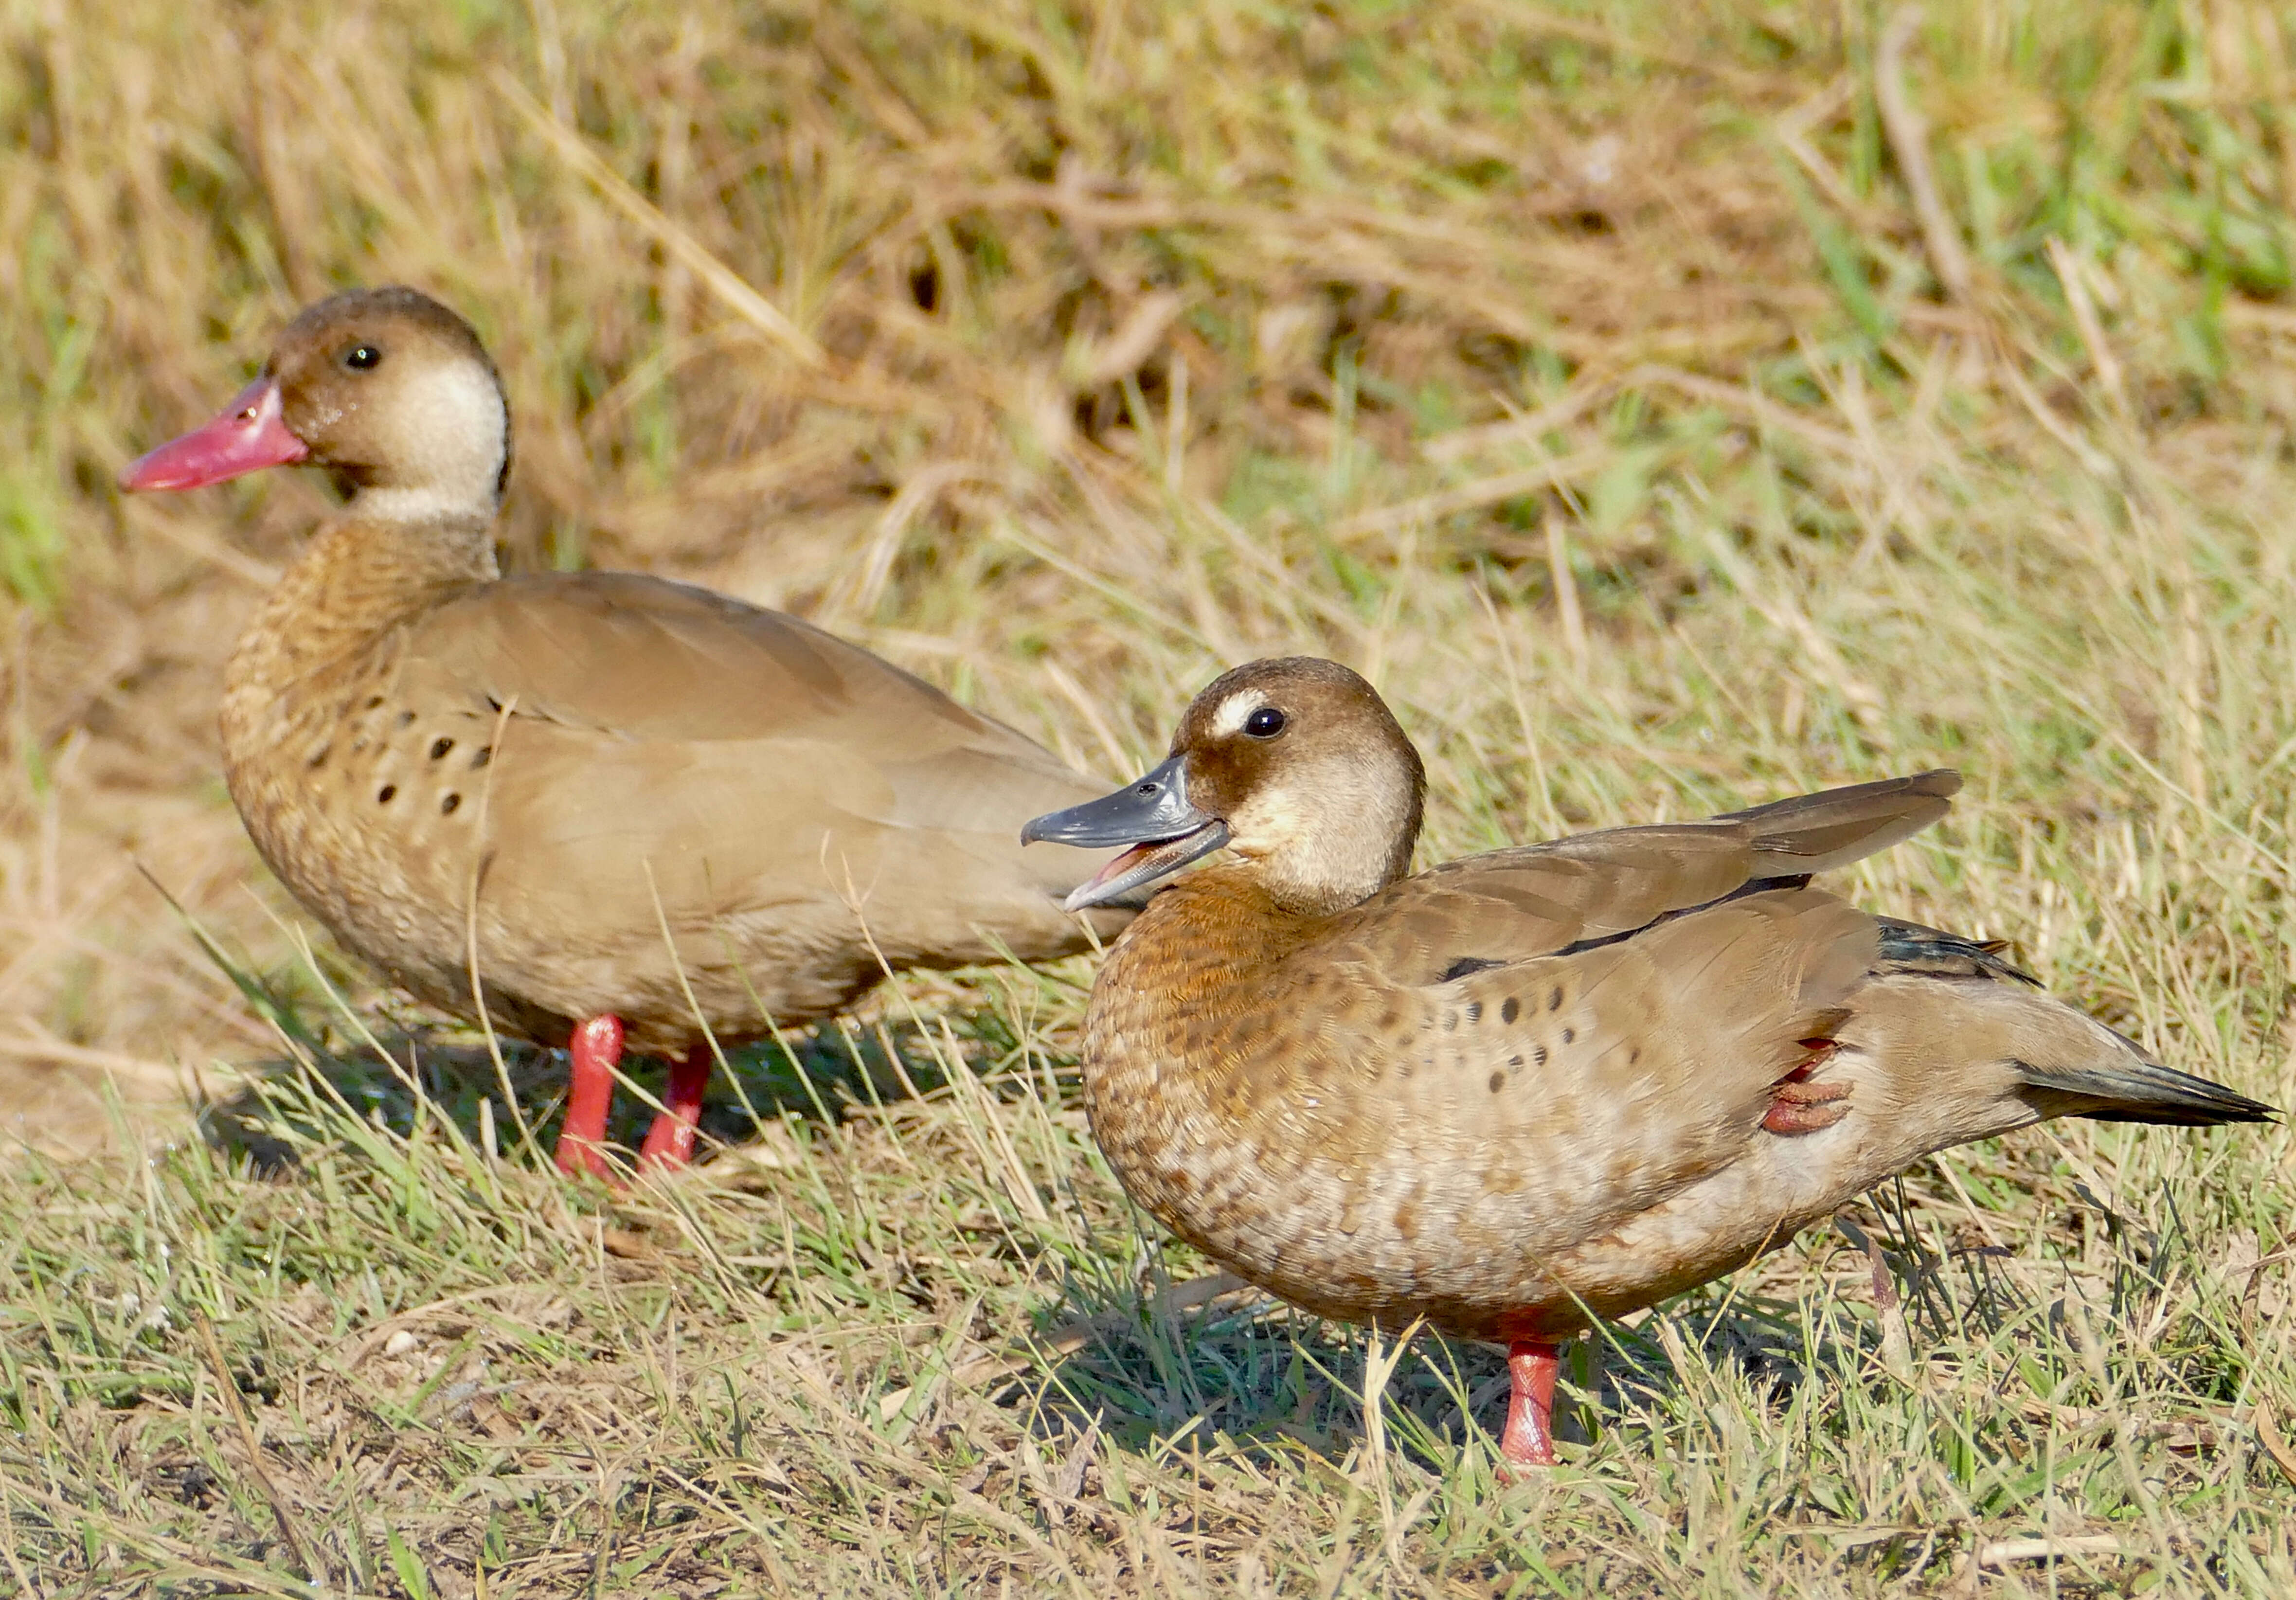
386, 388
1296, 765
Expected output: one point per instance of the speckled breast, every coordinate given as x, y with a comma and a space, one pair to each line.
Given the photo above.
370, 811
1264, 1111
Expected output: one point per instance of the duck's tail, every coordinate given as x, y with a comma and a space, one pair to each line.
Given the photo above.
2133, 1087
2062, 1063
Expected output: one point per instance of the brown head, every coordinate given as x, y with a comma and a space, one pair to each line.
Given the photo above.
385, 387
1296, 765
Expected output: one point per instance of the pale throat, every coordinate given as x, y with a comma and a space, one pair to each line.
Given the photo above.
1342, 849
447, 445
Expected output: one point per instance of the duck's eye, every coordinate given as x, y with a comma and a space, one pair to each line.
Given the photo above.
1265, 723
362, 357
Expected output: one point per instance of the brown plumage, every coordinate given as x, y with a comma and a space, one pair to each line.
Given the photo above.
643, 805
1528, 1088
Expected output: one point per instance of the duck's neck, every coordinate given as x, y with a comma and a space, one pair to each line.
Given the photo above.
360, 577
1212, 930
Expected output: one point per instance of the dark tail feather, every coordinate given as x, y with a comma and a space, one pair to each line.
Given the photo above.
1912, 948
2137, 1090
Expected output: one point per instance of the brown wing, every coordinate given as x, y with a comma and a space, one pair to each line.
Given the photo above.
1598, 1022
1818, 832
647, 660
676, 743
1664, 1047
1544, 898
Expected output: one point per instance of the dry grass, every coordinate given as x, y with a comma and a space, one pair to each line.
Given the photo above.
1589, 377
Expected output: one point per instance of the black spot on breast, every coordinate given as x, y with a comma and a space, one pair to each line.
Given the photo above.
1511, 1010
1450, 1020
1464, 966
1634, 1055
448, 807
406, 719
382, 796
1569, 1035
486, 754
1474, 1011
1538, 1053
1499, 1082
372, 701
1555, 1000
439, 747
319, 757
1514, 1060
492, 704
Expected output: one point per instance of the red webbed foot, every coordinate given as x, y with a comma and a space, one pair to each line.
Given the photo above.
1798, 1105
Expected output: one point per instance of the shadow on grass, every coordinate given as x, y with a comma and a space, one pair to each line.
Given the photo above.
1249, 1373
822, 1076
1246, 1373
397, 1075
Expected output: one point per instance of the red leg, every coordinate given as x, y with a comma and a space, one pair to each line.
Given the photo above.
1530, 1437
670, 1141
595, 1050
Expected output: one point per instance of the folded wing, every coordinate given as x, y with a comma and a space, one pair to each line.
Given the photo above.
712, 758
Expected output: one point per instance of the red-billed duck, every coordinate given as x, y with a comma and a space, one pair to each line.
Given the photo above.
614, 808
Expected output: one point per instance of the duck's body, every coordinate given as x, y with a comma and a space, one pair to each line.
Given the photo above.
1534, 1087
620, 805
1557, 1137
660, 801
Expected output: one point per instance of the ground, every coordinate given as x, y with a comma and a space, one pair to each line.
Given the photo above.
1669, 406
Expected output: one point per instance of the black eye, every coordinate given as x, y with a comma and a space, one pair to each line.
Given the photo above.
1265, 723
360, 357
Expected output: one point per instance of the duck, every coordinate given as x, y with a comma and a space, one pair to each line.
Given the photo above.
598, 810
1528, 1089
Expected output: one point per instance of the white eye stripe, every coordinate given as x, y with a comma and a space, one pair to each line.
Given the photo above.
1235, 710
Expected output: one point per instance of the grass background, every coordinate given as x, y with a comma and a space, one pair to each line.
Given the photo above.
1670, 406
